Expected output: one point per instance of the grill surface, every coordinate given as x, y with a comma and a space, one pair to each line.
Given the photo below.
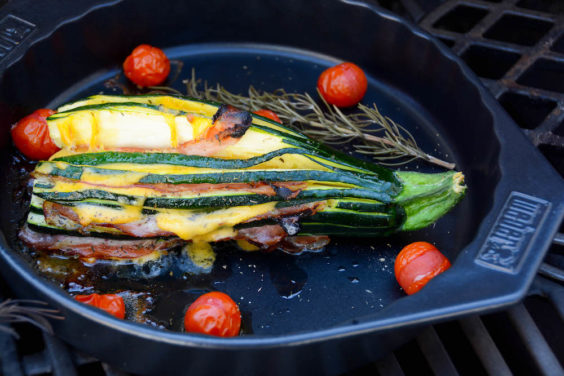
517, 48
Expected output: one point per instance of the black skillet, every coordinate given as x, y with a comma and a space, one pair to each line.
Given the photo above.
320, 313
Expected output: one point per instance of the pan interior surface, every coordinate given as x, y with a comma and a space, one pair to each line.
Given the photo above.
279, 293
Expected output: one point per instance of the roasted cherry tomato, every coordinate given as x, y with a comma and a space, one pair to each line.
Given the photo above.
343, 85
31, 135
111, 303
417, 264
146, 66
268, 114
214, 313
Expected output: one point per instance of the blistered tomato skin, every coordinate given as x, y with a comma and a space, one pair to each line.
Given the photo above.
111, 303
268, 114
215, 314
343, 85
417, 264
31, 135
146, 66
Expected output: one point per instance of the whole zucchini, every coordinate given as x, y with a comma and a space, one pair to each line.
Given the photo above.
161, 166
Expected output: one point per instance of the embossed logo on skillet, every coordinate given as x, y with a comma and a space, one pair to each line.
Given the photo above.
512, 232
13, 31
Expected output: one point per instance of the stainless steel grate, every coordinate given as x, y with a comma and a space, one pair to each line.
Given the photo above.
517, 48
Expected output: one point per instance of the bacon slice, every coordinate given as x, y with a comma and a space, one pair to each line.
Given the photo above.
146, 227
298, 210
271, 237
267, 189
264, 237
60, 216
92, 247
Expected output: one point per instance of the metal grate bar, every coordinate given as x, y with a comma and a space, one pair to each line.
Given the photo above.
532, 57
414, 9
59, 356
551, 290
484, 346
557, 299
537, 346
389, 366
111, 371
9, 356
552, 272
435, 353
36, 364
558, 239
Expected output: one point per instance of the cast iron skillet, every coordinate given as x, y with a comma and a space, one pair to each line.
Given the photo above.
349, 309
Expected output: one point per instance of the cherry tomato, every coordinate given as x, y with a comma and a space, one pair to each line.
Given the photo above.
214, 313
146, 66
343, 85
417, 264
268, 114
31, 135
111, 303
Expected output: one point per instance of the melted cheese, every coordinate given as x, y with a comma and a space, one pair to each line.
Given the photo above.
43, 168
252, 144
71, 186
197, 226
200, 125
185, 105
161, 169
246, 246
117, 179
77, 132
93, 214
165, 101
221, 233
153, 256
120, 128
190, 224
201, 254
272, 126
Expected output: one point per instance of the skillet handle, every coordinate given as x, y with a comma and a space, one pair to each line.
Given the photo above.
492, 272
24, 22
498, 266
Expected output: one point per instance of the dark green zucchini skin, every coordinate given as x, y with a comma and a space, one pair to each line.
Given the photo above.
378, 176
381, 189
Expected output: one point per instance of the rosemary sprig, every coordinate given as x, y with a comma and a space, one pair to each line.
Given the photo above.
31, 311
380, 136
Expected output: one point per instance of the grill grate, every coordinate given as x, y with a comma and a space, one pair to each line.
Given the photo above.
517, 48
493, 348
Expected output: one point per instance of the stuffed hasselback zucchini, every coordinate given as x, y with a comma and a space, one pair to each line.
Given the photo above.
139, 174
